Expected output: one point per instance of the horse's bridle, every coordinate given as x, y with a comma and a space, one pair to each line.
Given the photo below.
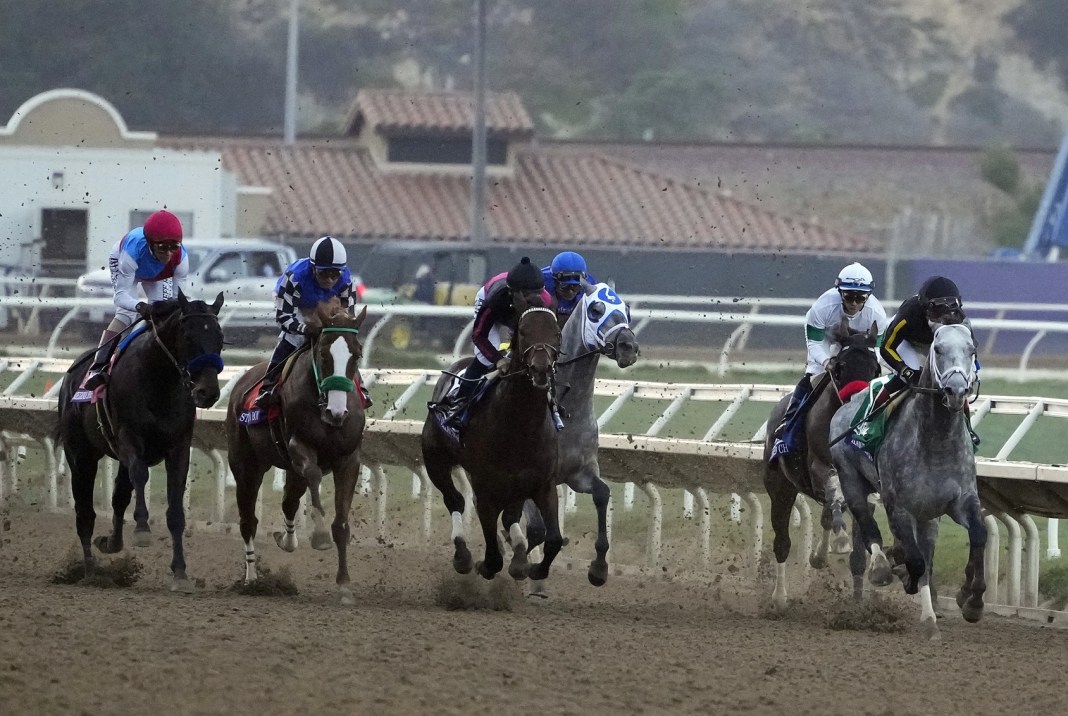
971, 377
553, 352
194, 364
330, 382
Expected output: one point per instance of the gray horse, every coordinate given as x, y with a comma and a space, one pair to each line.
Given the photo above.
599, 325
809, 470
924, 469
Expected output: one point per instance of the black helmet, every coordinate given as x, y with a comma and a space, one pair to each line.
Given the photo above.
525, 276
940, 298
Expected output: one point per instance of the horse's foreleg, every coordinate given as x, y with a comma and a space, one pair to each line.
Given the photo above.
439, 470
82, 480
248, 478
783, 495
306, 462
177, 472
926, 536
519, 567
602, 496
294, 489
120, 500
547, 504
903, 526
493, 561
345, 477
970, 597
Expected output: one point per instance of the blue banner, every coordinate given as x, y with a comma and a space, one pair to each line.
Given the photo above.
1050, 225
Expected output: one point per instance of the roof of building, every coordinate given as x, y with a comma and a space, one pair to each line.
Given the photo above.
391, 111
589, 200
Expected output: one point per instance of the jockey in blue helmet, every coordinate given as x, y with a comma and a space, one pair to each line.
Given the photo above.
566, 278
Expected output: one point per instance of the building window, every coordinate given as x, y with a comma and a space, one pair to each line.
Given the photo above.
437, 150
138, 217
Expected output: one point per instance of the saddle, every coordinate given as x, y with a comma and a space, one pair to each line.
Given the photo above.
82, 394
869, 430
251, 414
791, 441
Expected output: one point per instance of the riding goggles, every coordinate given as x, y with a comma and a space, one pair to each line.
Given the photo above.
167, 246
938, 307
855, 296
569, 277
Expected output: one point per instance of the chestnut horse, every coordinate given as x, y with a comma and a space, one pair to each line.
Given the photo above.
319, 429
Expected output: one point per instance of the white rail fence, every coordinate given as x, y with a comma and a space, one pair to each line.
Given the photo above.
725, 460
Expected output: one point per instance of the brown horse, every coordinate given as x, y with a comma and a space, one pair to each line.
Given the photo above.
318, 430
510, 449
811, 471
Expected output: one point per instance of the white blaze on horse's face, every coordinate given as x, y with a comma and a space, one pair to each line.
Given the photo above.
951, 364
603, 313
337, 400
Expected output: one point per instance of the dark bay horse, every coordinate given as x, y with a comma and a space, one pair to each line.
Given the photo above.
509, 448
319, 431
811, 470
599, 326
162, 376
924, 469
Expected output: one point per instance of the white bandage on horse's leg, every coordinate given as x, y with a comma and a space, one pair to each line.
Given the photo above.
457, 526
778, 597
289, 539
250, 562
926, 606
518, 538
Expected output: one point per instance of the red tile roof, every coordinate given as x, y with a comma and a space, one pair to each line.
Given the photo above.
400, 111
575, 200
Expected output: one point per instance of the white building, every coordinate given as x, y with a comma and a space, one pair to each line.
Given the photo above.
74, 179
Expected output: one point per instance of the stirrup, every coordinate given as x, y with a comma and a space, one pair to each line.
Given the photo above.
96, 379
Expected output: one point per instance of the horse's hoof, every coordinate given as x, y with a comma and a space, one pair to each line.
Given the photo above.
182, 585
346, 597
816, 561
537, 589
142, 538
484, 571
778, 603
841, 543
106, 545
519, 568
972, 610
598, 573
930, 630
285, 541
321, 540
881, 575
461, 560
539, 571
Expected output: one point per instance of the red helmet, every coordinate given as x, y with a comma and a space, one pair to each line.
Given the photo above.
163, 227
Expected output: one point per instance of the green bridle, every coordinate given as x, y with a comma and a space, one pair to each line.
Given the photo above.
332, 382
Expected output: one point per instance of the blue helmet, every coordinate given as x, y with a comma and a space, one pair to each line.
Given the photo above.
568, 268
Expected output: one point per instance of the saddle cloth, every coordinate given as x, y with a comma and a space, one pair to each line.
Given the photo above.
869, 432
82, 395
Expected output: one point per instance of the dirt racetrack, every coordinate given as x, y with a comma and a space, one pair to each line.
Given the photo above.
641, 644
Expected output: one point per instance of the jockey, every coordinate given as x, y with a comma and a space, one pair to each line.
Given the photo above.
911, 332
498, 306
565, 279
852, 299
153, 257
303, 285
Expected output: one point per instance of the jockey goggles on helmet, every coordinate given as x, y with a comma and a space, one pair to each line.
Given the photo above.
942, 307
571, 278
854, 296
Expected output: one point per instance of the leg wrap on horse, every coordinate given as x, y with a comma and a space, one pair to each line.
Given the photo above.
97, 376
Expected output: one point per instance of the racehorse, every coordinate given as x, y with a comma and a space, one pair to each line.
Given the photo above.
144, 415
924, 469
599, 326
810, 471
509, 448
318, 429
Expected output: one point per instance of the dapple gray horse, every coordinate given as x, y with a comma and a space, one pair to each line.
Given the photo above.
924, 469
810, 470
599, 326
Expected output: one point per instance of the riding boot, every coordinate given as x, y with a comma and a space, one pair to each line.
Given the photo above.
96, 373
468, 385
802, 389
283, 350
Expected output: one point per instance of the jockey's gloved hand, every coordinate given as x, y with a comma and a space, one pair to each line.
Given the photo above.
911, 375
143, 310
502, 364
